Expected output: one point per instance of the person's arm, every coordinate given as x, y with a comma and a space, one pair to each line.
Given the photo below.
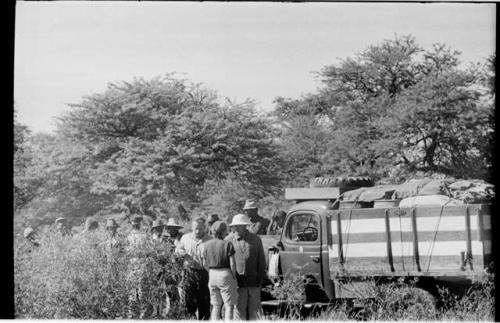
203, 256
270, 227
232, 261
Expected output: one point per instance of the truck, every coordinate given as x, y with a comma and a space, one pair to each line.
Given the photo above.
342, 252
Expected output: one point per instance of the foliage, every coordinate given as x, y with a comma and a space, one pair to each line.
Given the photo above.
22, 190
393, 105
149, 147
83, 277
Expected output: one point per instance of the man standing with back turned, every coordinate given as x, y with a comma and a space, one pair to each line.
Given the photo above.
250, 268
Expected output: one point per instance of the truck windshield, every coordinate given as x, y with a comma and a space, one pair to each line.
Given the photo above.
303, 227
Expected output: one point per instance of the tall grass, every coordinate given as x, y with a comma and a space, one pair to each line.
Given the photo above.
399, 300
82, 276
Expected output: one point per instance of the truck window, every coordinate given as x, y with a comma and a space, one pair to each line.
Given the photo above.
303, 227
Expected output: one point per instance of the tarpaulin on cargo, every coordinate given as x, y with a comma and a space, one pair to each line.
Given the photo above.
429, 200
472, 191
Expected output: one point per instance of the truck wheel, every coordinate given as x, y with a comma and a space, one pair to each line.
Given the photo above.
341, 181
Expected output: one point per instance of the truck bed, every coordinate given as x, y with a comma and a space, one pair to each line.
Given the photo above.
421, 241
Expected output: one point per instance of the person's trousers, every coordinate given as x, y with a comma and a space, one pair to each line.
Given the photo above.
248, 306
223, 291
195, 293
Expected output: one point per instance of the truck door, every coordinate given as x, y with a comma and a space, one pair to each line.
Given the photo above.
301, 241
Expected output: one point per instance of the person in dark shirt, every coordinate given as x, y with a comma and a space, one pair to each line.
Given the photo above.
218, 258
172, 234
250, 268
277, 222
258, 224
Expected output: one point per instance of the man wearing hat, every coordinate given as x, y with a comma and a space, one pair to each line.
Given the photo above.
29, 235
62, 226
259, 224
171, 234
250, 268
157, 230
194, 285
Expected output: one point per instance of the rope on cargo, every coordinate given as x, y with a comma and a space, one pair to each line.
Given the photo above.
431, 247
401, 239
347, 233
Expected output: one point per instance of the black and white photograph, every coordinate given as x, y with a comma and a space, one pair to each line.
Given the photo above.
232, 161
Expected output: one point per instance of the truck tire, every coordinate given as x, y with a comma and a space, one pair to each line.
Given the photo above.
350, 181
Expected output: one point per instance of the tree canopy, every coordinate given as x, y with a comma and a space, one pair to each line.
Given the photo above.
152, 147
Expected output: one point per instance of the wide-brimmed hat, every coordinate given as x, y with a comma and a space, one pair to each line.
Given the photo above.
28, 231
172, 224
60, 220
157, 224
250, 204
212, 218
111, 223
240, 219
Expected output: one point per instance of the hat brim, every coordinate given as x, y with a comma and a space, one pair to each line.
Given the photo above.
239, 223
173, 226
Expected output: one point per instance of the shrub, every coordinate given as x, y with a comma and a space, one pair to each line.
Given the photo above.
82, 276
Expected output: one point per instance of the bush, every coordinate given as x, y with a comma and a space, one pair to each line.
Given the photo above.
402, 300
82, 276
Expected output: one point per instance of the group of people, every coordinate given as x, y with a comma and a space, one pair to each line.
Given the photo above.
223, 270
226, 269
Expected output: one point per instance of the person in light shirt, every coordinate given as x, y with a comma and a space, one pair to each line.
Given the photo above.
194, 284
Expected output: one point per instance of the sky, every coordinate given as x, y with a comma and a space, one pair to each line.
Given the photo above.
65, 50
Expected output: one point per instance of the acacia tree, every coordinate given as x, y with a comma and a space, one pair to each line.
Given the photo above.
149, 145
396, 104
22, 192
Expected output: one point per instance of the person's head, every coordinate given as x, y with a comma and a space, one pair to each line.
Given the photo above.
111, 226
91, 224
239, 223
212, 218
172, 227
219, 229
61, 224
199, 227
29, 233
157, 228
279, 217
250, 208
136, 222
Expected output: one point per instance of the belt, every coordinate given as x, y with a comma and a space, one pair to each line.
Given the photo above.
219, 268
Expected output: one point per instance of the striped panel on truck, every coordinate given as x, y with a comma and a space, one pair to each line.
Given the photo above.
442, 235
